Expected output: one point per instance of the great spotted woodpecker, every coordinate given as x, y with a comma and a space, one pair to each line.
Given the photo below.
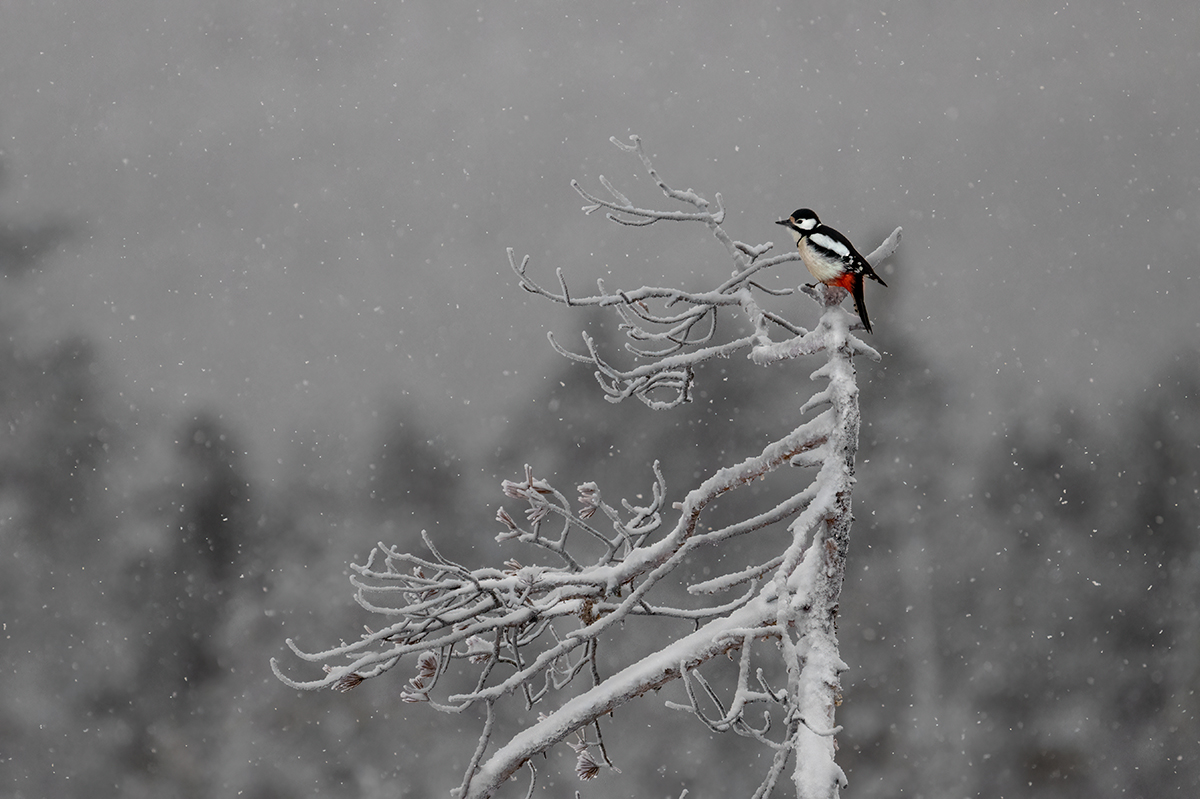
830, 257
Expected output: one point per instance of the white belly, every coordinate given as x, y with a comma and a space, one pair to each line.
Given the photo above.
817, 267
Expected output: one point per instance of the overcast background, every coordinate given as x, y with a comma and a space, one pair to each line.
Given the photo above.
289, 220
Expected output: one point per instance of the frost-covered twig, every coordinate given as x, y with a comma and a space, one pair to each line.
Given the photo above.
531, 628
682, 333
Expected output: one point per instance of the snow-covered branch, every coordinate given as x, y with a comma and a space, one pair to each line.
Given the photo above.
681, 335
532, 628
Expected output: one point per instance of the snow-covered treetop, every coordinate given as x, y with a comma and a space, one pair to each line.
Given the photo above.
531, 627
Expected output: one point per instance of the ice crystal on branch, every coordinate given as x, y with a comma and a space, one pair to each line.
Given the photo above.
534, 630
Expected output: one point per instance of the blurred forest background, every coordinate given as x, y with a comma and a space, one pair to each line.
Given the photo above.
257, 317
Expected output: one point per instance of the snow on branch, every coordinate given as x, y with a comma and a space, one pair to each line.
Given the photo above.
588, 568
682, 334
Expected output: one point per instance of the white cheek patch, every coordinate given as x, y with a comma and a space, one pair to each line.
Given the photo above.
833, 246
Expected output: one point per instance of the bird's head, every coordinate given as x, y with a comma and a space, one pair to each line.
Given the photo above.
800, 223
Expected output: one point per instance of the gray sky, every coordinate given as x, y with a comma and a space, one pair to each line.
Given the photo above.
296, 211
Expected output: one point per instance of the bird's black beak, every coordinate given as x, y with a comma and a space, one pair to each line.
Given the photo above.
783, 221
